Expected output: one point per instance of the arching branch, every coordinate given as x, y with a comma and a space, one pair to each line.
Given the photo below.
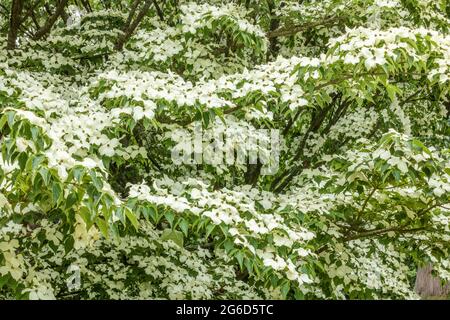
42, 32
30, 11
132, 26
87, 5
158, 10
134, 6
289, 31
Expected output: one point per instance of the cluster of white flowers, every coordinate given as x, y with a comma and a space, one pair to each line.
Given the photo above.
197, 16
358, 268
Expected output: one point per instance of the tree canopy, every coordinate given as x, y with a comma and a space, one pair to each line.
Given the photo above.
97, 96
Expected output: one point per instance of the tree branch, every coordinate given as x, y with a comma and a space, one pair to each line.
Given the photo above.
374, 232
289, 31
130, 29
134, 6
35, 21
366, 202
42, 32
5, 9
158, 10
30, 11
86, 5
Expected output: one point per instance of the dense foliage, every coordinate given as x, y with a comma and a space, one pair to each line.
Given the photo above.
95, 96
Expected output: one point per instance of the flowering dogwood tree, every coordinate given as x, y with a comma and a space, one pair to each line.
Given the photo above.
95, 97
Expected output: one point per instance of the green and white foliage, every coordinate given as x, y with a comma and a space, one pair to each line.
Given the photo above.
90, 111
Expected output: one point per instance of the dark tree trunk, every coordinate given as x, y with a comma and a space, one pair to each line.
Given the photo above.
274, 24
14, 23
87, 5
429, 286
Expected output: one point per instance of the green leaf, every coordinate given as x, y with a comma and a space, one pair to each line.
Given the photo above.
228, 245
3, 120
132, 217
103, 226
391, 90
56, 192
78, 173
421, 146
285, 289
209, 229
11, 115
68, 244
23, 157
240, 258
151, 211
71, 199
170, 216
37, 161
184, 226
96, 180
174, 235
